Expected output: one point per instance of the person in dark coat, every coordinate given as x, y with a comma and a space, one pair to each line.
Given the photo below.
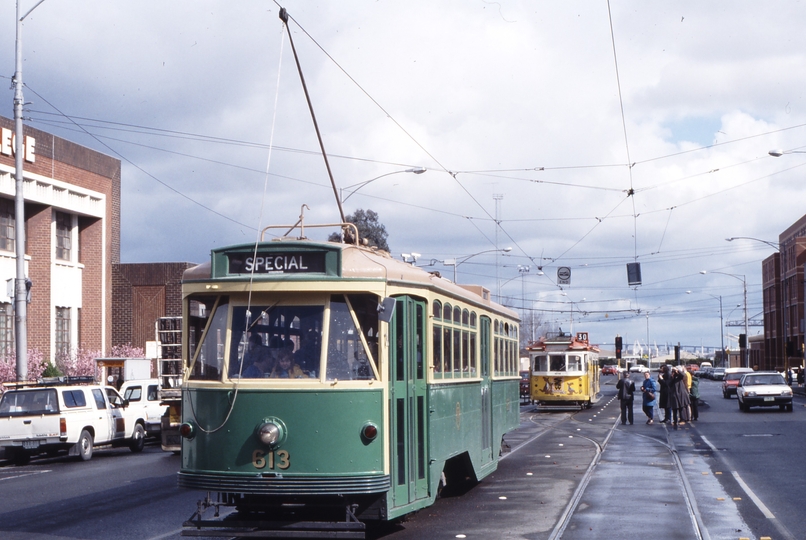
626, 390
664, 379
678, 397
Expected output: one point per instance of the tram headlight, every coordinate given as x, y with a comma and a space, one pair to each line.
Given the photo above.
187, 431
271, 432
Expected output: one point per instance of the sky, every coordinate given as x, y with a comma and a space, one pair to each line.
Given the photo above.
580, 134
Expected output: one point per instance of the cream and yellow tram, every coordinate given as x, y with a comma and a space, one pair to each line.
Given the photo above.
564, 371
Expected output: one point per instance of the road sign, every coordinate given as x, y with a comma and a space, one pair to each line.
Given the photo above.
564, 275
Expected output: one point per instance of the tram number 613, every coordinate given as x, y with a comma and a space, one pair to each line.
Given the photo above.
261, 459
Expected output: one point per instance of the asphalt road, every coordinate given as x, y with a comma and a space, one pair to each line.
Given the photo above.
569, 475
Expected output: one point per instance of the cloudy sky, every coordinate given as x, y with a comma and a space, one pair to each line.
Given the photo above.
595, 134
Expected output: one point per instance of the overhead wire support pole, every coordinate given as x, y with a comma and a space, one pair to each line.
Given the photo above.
284, 18
20, 288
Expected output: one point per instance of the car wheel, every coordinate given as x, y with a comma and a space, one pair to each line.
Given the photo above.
789, 408
85, 446
138, 439
725, 395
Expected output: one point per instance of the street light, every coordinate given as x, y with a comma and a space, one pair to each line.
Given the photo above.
457, 262
777, 247
359, 185
779, 153
743, 279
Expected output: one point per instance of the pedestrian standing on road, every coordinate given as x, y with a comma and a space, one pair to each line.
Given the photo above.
801, 376
678, 397
687, 378
664, 380
649, 390
694, 395
626, 391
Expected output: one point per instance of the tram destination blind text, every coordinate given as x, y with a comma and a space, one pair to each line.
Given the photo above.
277, 263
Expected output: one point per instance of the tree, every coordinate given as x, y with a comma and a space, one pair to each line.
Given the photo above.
369, 228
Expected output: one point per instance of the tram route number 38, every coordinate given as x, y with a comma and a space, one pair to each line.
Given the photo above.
279, 459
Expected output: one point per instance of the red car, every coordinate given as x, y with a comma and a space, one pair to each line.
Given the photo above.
609, 370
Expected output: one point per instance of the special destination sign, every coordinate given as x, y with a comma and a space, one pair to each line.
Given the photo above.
293, 262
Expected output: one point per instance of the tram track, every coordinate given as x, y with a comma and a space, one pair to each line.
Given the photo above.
604, 451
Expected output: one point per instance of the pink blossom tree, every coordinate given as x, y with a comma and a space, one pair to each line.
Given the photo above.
8, 365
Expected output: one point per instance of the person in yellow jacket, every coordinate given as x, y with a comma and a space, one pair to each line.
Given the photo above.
687, 376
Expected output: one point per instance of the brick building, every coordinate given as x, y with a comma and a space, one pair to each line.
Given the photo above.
143, 293
782, 277
72, 233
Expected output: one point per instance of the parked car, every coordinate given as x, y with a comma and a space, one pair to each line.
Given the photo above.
609, 369
764, 389
638, 368
524, 385
731, 380
692, 367
704, 372
718, 373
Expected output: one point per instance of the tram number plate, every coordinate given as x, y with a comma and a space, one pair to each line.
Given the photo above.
769, 398
280, 459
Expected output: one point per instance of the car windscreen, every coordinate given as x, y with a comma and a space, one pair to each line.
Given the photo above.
763, 379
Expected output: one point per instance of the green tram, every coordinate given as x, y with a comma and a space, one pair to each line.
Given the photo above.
328, 385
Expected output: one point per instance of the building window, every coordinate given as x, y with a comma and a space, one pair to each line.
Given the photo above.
64, 233
62, 332
6, 329
7, 224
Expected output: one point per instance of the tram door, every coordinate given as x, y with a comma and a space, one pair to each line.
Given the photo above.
486, 397
408, 408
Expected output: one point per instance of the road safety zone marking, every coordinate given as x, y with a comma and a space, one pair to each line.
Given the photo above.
24, 475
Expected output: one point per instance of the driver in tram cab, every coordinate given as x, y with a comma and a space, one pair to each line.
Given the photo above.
285, 368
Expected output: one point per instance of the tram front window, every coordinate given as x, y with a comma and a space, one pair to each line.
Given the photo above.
262, 335
207, 359
557, 362
347, 357
574, 362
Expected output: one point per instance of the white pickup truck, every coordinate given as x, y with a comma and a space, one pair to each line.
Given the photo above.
51, 418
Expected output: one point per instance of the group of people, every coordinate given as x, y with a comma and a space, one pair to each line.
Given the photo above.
262, 361
676, 392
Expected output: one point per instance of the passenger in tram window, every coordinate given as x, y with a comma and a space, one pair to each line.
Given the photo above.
286, 368
626, 390
261, 365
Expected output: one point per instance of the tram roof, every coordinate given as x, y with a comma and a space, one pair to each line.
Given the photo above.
357, 263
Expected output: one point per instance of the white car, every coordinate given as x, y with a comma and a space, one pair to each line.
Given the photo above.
638, 368
764, 389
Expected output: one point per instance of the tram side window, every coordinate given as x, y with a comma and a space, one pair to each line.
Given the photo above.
209, 354
437, 350
347, 358
557, 362
574, 362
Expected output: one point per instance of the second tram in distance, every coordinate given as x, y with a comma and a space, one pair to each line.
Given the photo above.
564, 371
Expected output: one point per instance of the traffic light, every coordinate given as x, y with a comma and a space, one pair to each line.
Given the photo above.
677, 354
618, 347
742, 341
